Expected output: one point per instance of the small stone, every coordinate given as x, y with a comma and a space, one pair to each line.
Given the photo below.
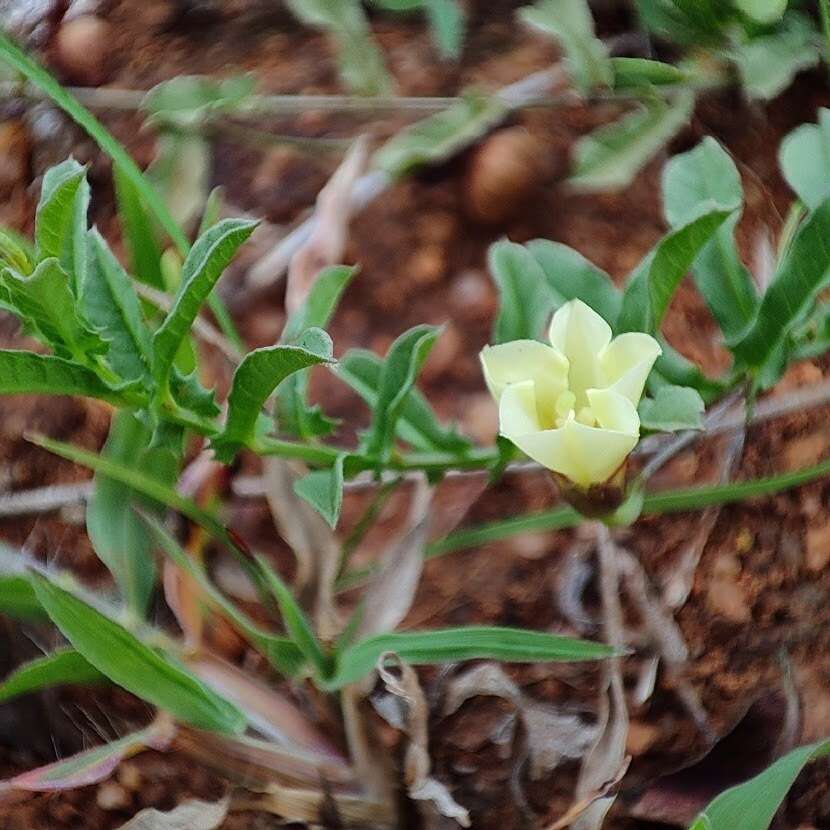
804, 451
14, 154
641, 737
129, 776
427, 266
112, 796
725, 596
743, 540
818, 547
83, 49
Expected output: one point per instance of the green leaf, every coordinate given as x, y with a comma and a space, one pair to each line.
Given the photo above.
673, 408
17, 598
118, 535
139, 234
571, 276
526, 299
283, 655
571, 23
255, 379
762, 11
46, 303
208, 258
295, 621
692, 182
630, 73
753, 804
320, 304
440, 136
323, 490
693, 22
451, 645
128, 662
397, 377
25, 373
768, 65
111, 304
60, 221
61, 667
610, 157
359, 60
16, 252
800, 275
652, 284
446, 20
674, 369
187, 99
417, 425
804, 157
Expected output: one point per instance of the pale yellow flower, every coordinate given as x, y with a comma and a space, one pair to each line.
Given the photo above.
572, 406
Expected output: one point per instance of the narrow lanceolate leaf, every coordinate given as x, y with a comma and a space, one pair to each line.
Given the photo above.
255, 379
674, 369
400, 369
440, 136
60, 221
205, 263
418, 425
804, 157
111, 304
456, 644
323, 490
280, 651
46, 303
800, 275
640, 72
59, 668
571, 23
673, 408
610, 157
17, 598
652, 285
753, 804
321, 302
117, 533
295, 621
571, 276
91, 766
525, 298
692, 181
30, 373
142, 670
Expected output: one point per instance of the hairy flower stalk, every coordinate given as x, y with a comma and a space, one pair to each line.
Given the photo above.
572, 406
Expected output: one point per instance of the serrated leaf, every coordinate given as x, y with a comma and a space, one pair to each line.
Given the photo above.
118, 535
110, 303
128, 662
323, 490
440, 136
753, 804
190, 394
610, 157
138, 231
525, 298
800, 275
571, 23
295, 621
571, 276
60, 220
46, 303
400, 369
255, 379
691, 182
418, 425
208, 258
768, 65
451, 645
804, 157
359, 60
61, 667
23, 373
673, 408
651, 286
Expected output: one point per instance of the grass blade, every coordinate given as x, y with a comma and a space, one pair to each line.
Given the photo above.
58, 668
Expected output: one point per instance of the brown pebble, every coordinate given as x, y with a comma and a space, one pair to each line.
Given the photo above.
83, 49
427, 266
726, 596
641, 737
818, 547
129, 776
14, 155
807, 449
503, 175
112, 796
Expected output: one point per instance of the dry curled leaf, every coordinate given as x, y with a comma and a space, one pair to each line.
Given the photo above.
191, 815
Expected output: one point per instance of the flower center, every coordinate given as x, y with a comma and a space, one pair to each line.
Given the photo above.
566, 409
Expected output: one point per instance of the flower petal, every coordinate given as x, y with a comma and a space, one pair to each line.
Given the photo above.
595, 453
580, 334
626, 361
614, 411
524, 360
